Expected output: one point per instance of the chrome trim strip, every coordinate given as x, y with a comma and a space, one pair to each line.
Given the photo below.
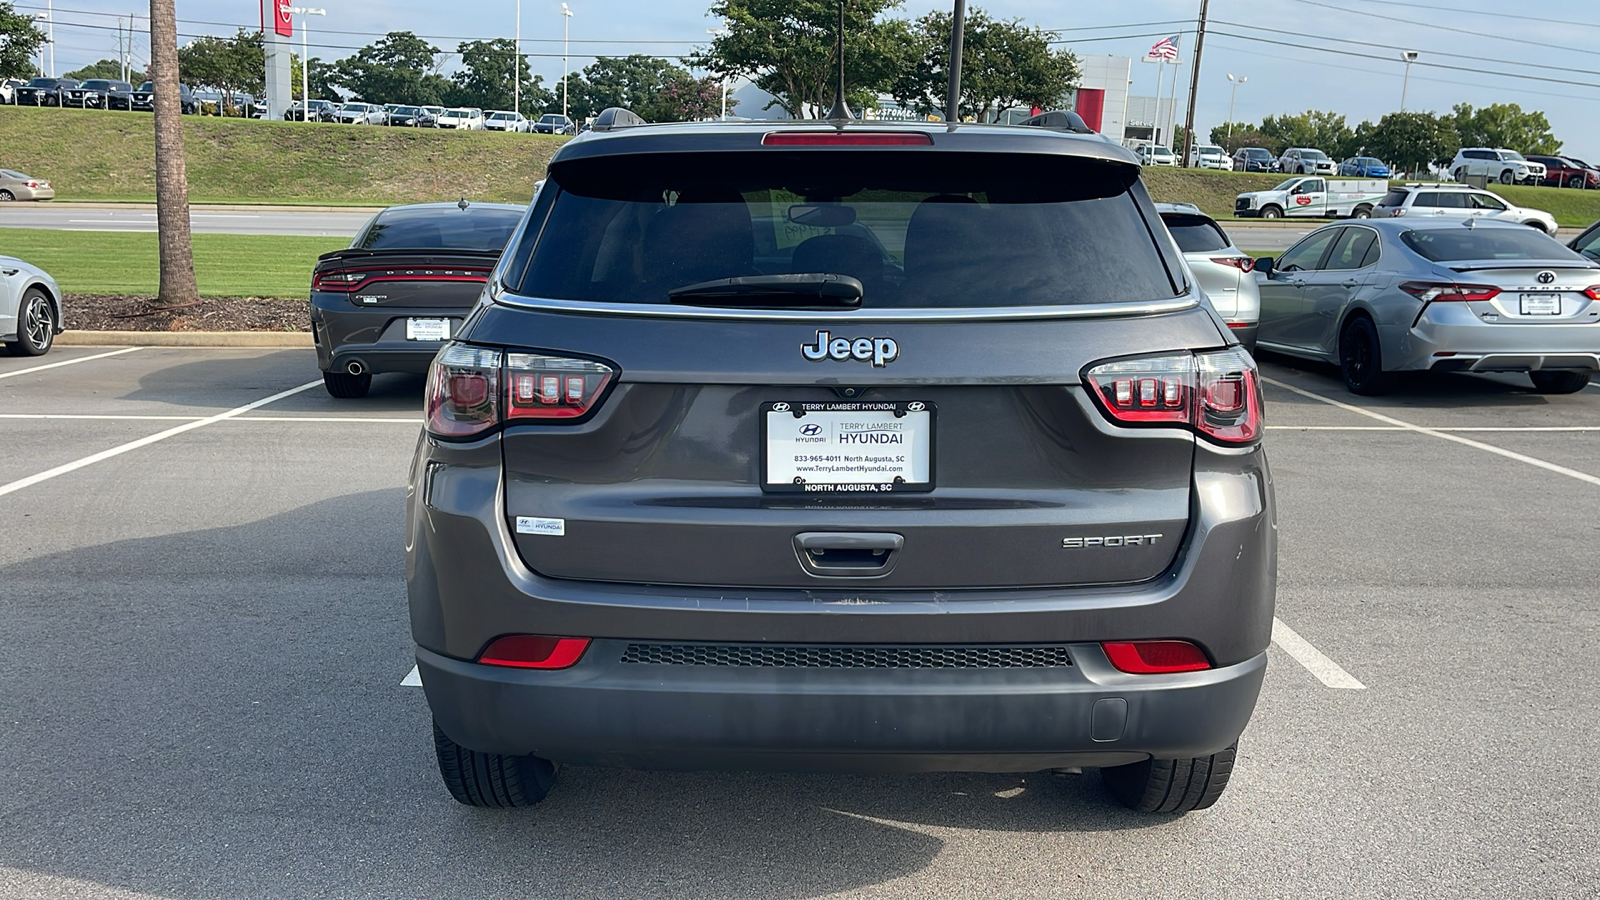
1000, 313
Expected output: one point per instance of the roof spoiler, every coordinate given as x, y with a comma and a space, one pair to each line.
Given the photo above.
1060, 120
614, 118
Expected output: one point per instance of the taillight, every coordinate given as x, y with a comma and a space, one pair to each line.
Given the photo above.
335, 281
348, 280
1242, 263
845, 139
533, 651
1218, 395
552, 387
463, 393
1437, 292
465, 396
1593, 293
1155, 657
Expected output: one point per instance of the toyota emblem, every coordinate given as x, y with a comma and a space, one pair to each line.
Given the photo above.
1547, 277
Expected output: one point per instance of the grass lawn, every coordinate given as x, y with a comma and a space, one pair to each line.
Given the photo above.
227, 265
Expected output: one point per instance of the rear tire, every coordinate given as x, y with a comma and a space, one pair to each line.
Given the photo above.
490, 779
1271, 212
345, 386
1459, 176
7, 196
1171, 785
36, 325
1361, 359
1362, 212
1575, 181
1559, 382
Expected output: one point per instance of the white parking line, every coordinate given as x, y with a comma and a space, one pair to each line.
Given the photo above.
71, 416
413, 678
1442, 435
1327, 671
1511, 428
67, 362
75, 465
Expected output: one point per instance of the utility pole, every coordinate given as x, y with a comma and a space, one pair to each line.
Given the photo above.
1194, 85
952, 97
1408, 57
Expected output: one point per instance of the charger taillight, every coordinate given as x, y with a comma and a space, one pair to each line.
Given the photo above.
464, 395
1216, 394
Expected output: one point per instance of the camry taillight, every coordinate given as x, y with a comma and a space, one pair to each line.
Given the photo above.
1444, 292
1242, 263
1593, 293
1218, 395
552, 387
465, 394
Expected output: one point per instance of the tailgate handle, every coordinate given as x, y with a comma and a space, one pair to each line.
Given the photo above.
847, 554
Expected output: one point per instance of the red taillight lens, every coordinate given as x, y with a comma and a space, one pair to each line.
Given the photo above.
348, 280
1155, 657
1440, 292
1593, 293
845, 139
463, 393
553, 387
1216, 394
1242, 263
533, 651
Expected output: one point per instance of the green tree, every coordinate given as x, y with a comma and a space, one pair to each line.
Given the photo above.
787, 47
1412, 141
1319, 129
658, 90
398, 68
323, 79
105, 68
1005, 65
1242, 134
1504, 125
20, 40
485, 79
228, 65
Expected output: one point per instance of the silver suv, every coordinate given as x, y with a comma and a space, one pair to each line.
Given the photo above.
1452, 201
1226, 274
1504, 166
1306, 161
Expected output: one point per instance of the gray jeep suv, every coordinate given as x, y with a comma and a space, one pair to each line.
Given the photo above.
870, 447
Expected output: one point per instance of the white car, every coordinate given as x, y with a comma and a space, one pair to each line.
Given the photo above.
1157, 155
8, 89
361, 114
1456, 201
1306, 161
501, 120
461, 119
1209, 156
30, 308
1504, 166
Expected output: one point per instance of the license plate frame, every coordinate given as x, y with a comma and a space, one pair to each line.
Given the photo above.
430, 329
1539, 304
889, 462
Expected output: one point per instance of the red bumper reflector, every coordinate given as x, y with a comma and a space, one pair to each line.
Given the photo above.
1238, 324
533, 651
845, 139
1155, 657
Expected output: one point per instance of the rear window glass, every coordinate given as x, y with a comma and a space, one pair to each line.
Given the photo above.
919, 230
1395, 198
1195, 234
475, 228
1458, 244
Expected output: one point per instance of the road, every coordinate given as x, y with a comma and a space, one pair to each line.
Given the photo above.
201, 581
233, 220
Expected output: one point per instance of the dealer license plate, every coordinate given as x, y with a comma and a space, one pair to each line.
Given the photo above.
847, 447
427, 329
1541, 304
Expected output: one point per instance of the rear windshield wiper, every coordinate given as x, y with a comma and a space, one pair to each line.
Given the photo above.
812, 290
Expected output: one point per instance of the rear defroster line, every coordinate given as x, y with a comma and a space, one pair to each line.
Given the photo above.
176, 430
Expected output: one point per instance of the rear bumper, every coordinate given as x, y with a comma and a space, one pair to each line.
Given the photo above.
376, 337
606, 712
1246, 334
1451, 337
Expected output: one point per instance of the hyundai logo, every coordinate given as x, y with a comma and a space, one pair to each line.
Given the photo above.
1547, 277
811, 429
780, 407
916, 406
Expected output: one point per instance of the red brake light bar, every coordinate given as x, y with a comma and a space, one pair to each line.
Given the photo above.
846, 139
351, 280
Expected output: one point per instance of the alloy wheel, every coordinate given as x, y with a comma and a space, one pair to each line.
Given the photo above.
38, 325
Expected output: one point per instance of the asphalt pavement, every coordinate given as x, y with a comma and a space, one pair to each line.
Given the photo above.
201, 586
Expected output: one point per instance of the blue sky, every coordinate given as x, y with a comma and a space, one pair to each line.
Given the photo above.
1289, 75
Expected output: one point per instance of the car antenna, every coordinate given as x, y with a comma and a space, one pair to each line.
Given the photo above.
1472, 222
841, 110
462, 204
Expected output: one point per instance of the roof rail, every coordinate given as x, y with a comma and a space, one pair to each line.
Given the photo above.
614, 118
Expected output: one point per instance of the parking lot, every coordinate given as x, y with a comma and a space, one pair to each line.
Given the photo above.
202, 580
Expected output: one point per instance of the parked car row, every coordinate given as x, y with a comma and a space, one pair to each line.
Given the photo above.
465, 118
93, 93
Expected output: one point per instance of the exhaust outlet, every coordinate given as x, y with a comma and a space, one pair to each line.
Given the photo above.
356, 367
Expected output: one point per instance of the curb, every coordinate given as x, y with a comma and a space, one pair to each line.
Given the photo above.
297, 340
145, 205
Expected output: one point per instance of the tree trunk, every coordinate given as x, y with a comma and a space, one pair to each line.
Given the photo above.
172, 179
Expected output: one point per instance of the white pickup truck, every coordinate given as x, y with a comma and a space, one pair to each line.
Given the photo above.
1313, 196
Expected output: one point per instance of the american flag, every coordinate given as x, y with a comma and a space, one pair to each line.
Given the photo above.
1166, 48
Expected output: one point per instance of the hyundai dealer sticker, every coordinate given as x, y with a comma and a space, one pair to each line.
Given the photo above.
534, 525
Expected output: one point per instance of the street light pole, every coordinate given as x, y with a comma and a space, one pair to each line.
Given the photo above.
516, 64
566, 35
1231, 97
41, 17
305, 57
50, 11
1409, 57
